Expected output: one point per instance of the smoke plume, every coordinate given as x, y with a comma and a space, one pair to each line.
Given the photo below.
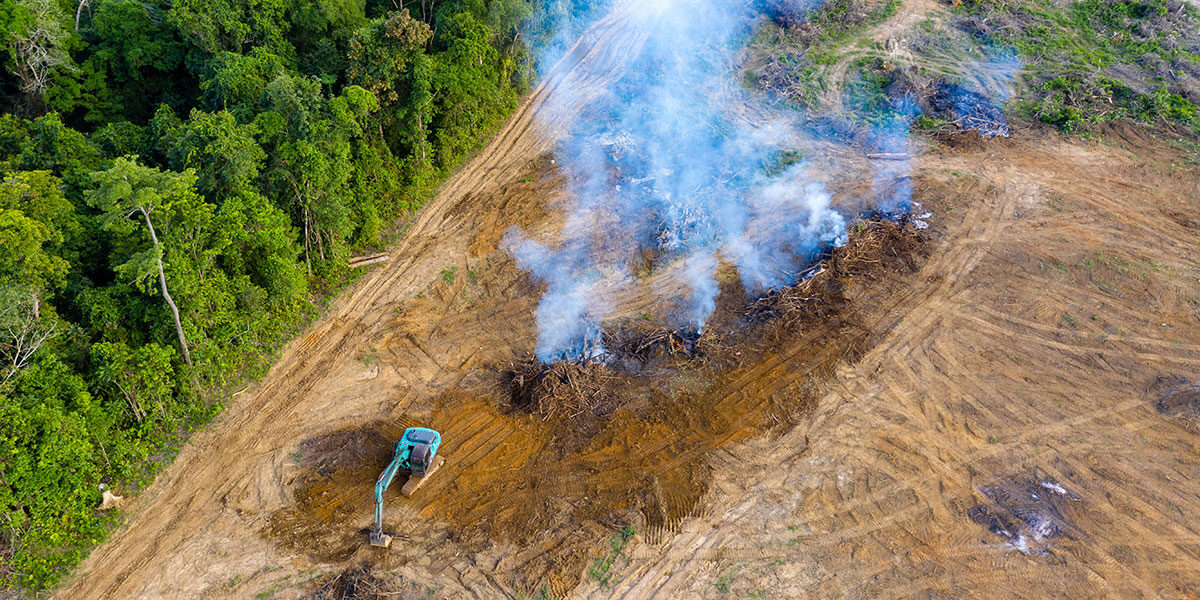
676, 161
668, 160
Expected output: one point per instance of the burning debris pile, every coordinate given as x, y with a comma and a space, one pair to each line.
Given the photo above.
587, 385
648, 347
674, 167
875, 246
592, 382
671, 160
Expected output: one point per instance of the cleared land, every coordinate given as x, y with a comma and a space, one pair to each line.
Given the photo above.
1062, 281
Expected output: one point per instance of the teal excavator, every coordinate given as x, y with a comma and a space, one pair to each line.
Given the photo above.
416, 454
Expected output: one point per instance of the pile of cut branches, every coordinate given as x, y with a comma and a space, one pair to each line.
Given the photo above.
363, 583
876, 246
563, 390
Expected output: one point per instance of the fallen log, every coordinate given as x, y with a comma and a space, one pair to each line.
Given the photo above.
110, 500
889, 156
365, 261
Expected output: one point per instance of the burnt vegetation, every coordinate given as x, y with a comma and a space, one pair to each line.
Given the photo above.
582, 393
1028, 512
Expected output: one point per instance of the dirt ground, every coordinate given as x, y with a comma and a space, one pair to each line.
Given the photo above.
1012, 419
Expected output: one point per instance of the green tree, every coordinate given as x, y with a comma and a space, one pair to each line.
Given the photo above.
233, 25
83, 94
22, 256
131, 196
381, 52
142, 376
321, 30
261, 246
37, 45
48, 476
39, 196
311, 140
140, 54
33, 217
224, 154
416, 118
35, 221
507, 19
23, 331
237, 82
47, 144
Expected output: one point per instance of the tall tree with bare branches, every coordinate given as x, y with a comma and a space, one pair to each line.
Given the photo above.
38, 46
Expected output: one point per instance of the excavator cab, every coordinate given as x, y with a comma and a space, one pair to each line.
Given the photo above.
421, 446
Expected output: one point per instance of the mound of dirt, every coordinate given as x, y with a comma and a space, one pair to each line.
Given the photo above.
338, 472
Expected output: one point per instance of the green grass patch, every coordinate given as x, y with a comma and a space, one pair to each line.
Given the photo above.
1093, 61
601, 569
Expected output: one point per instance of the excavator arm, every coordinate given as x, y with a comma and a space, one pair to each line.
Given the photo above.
377, 536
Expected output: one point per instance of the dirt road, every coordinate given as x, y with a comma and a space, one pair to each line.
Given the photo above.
1063, 282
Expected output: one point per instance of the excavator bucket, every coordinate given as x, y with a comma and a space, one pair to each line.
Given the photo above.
379, 539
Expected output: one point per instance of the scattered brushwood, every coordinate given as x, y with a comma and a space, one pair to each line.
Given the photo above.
365, 583
563, 390
653, 345
876, 247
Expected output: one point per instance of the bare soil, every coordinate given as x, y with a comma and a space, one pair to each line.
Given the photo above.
877, 451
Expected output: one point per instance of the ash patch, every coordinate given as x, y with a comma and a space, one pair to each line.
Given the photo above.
1176, 396
1027, 512
967, 109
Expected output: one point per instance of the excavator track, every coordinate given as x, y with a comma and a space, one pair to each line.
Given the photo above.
414, 483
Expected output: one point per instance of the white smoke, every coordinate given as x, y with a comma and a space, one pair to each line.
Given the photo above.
666, 160
676, 157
